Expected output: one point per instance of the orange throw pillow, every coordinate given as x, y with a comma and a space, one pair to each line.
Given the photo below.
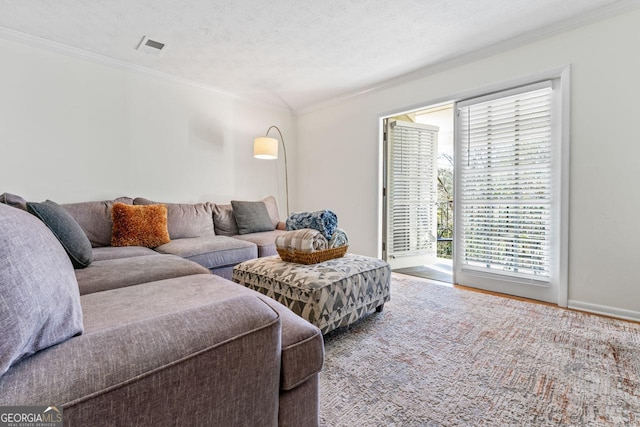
139, 225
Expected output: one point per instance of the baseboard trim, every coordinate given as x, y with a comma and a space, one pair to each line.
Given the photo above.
620, 313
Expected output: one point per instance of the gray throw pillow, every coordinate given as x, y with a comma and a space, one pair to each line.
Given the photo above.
252, 217
13, 200
66, 230
39, 297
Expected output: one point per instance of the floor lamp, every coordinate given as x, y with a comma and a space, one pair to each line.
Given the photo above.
267, 148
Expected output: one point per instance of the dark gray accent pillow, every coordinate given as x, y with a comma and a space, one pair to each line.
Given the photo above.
13, 200
67, 231
39, 297
252, 217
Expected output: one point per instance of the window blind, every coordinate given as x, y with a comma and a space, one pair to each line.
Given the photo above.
412, 191
505, 192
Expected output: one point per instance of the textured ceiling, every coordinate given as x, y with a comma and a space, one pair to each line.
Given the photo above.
295, 53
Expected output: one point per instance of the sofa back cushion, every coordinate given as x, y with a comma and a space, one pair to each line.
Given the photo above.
95, 219
39, 297
272, 209
185, 220
66, 230
224, 221
13, 200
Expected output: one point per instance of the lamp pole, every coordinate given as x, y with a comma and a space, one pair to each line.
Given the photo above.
286, 168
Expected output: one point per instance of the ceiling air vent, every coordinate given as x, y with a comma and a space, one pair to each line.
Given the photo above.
151, 47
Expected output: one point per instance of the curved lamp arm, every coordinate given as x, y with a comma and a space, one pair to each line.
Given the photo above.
286, 173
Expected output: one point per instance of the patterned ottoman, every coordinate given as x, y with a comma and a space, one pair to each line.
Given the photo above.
329, 294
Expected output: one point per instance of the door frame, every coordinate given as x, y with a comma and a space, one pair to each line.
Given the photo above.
563, 73
382, 168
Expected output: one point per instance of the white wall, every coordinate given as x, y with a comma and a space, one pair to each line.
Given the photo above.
73, 129
339, 152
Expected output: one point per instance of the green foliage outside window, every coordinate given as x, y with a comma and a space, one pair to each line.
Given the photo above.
445, 209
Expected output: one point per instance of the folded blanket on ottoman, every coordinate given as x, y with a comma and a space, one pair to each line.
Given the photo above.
338, 239
305, 240
324, 221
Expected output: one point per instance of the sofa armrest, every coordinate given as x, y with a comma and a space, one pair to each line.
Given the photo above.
200, 366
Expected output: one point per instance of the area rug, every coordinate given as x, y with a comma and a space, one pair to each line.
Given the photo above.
440, 356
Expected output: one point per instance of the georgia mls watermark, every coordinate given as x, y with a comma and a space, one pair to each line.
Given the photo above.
30, 416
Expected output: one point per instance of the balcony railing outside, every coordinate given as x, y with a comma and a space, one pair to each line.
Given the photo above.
445, 229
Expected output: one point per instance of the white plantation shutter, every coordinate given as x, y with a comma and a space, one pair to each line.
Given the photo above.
412, 191
505, 184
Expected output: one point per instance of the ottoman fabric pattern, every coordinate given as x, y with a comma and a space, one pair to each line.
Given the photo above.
329, 294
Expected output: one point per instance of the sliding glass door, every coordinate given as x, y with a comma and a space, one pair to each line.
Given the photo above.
508, 181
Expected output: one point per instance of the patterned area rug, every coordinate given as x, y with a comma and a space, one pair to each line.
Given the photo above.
439, 356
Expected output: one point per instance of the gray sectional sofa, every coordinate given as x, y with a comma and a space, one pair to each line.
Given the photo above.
206, 233
149, 336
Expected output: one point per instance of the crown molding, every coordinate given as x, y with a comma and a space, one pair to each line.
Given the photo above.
581, 20
50, 45
590, 17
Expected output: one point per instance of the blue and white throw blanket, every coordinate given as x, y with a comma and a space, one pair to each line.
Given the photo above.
338, 239
324, 221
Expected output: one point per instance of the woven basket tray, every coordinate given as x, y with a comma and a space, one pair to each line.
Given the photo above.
312, 257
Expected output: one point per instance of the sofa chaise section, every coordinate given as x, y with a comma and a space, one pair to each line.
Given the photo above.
167, 367
301, 345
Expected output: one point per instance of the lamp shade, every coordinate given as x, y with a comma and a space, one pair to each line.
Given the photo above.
265, 148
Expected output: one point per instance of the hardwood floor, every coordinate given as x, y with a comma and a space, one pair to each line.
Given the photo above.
497, 294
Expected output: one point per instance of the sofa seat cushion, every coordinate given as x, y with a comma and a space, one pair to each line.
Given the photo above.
266, 241
115, 252
302, 343
123, 272
211, 251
